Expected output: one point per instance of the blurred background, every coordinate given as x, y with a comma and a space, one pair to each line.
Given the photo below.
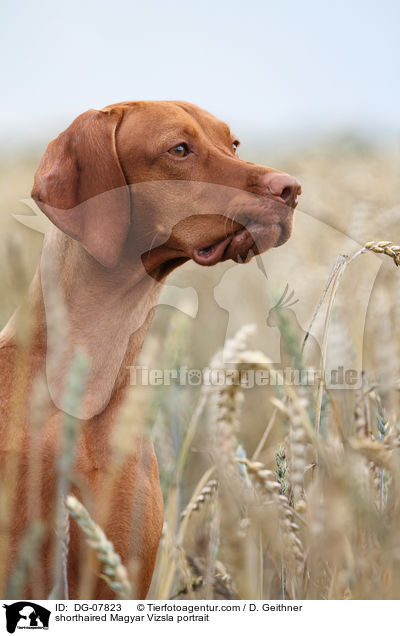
308, 87
281, 73
311, 88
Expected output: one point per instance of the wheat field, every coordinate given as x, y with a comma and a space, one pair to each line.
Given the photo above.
272, 492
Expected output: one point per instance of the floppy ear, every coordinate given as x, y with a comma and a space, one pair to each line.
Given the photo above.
81, 187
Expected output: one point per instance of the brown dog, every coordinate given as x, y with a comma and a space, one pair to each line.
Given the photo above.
133, 191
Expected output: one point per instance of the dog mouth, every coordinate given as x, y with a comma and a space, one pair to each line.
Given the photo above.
240, 246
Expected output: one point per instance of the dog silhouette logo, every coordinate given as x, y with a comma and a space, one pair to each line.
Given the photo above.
26, 615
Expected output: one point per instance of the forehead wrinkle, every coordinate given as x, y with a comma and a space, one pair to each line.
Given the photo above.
158, 139
218, 134
173, 121
218, 138
175, 130
209, 124
175, 126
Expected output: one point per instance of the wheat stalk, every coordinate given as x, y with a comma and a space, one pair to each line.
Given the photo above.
27, 559
206, 493
75, 386
266, 481
115, 573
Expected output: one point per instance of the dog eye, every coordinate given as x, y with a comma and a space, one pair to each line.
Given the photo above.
235, 145
181, 150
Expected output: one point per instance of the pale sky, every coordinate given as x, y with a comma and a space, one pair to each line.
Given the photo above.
273, 69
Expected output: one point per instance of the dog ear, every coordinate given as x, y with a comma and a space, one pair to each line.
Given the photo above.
81, 187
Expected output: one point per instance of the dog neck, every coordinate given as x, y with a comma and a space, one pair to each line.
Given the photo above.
104, 313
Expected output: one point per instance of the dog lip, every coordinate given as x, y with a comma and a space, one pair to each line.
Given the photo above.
229, 247
215, 252
254, 239
211, 254
255, 235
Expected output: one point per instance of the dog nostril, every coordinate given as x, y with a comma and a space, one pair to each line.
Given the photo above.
286, 194
285, 187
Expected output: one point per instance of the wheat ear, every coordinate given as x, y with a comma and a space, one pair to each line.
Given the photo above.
115, 573
385, 247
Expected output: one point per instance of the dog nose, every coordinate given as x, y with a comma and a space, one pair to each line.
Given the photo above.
284, 187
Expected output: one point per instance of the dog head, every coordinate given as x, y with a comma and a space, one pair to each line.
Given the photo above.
162, 179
